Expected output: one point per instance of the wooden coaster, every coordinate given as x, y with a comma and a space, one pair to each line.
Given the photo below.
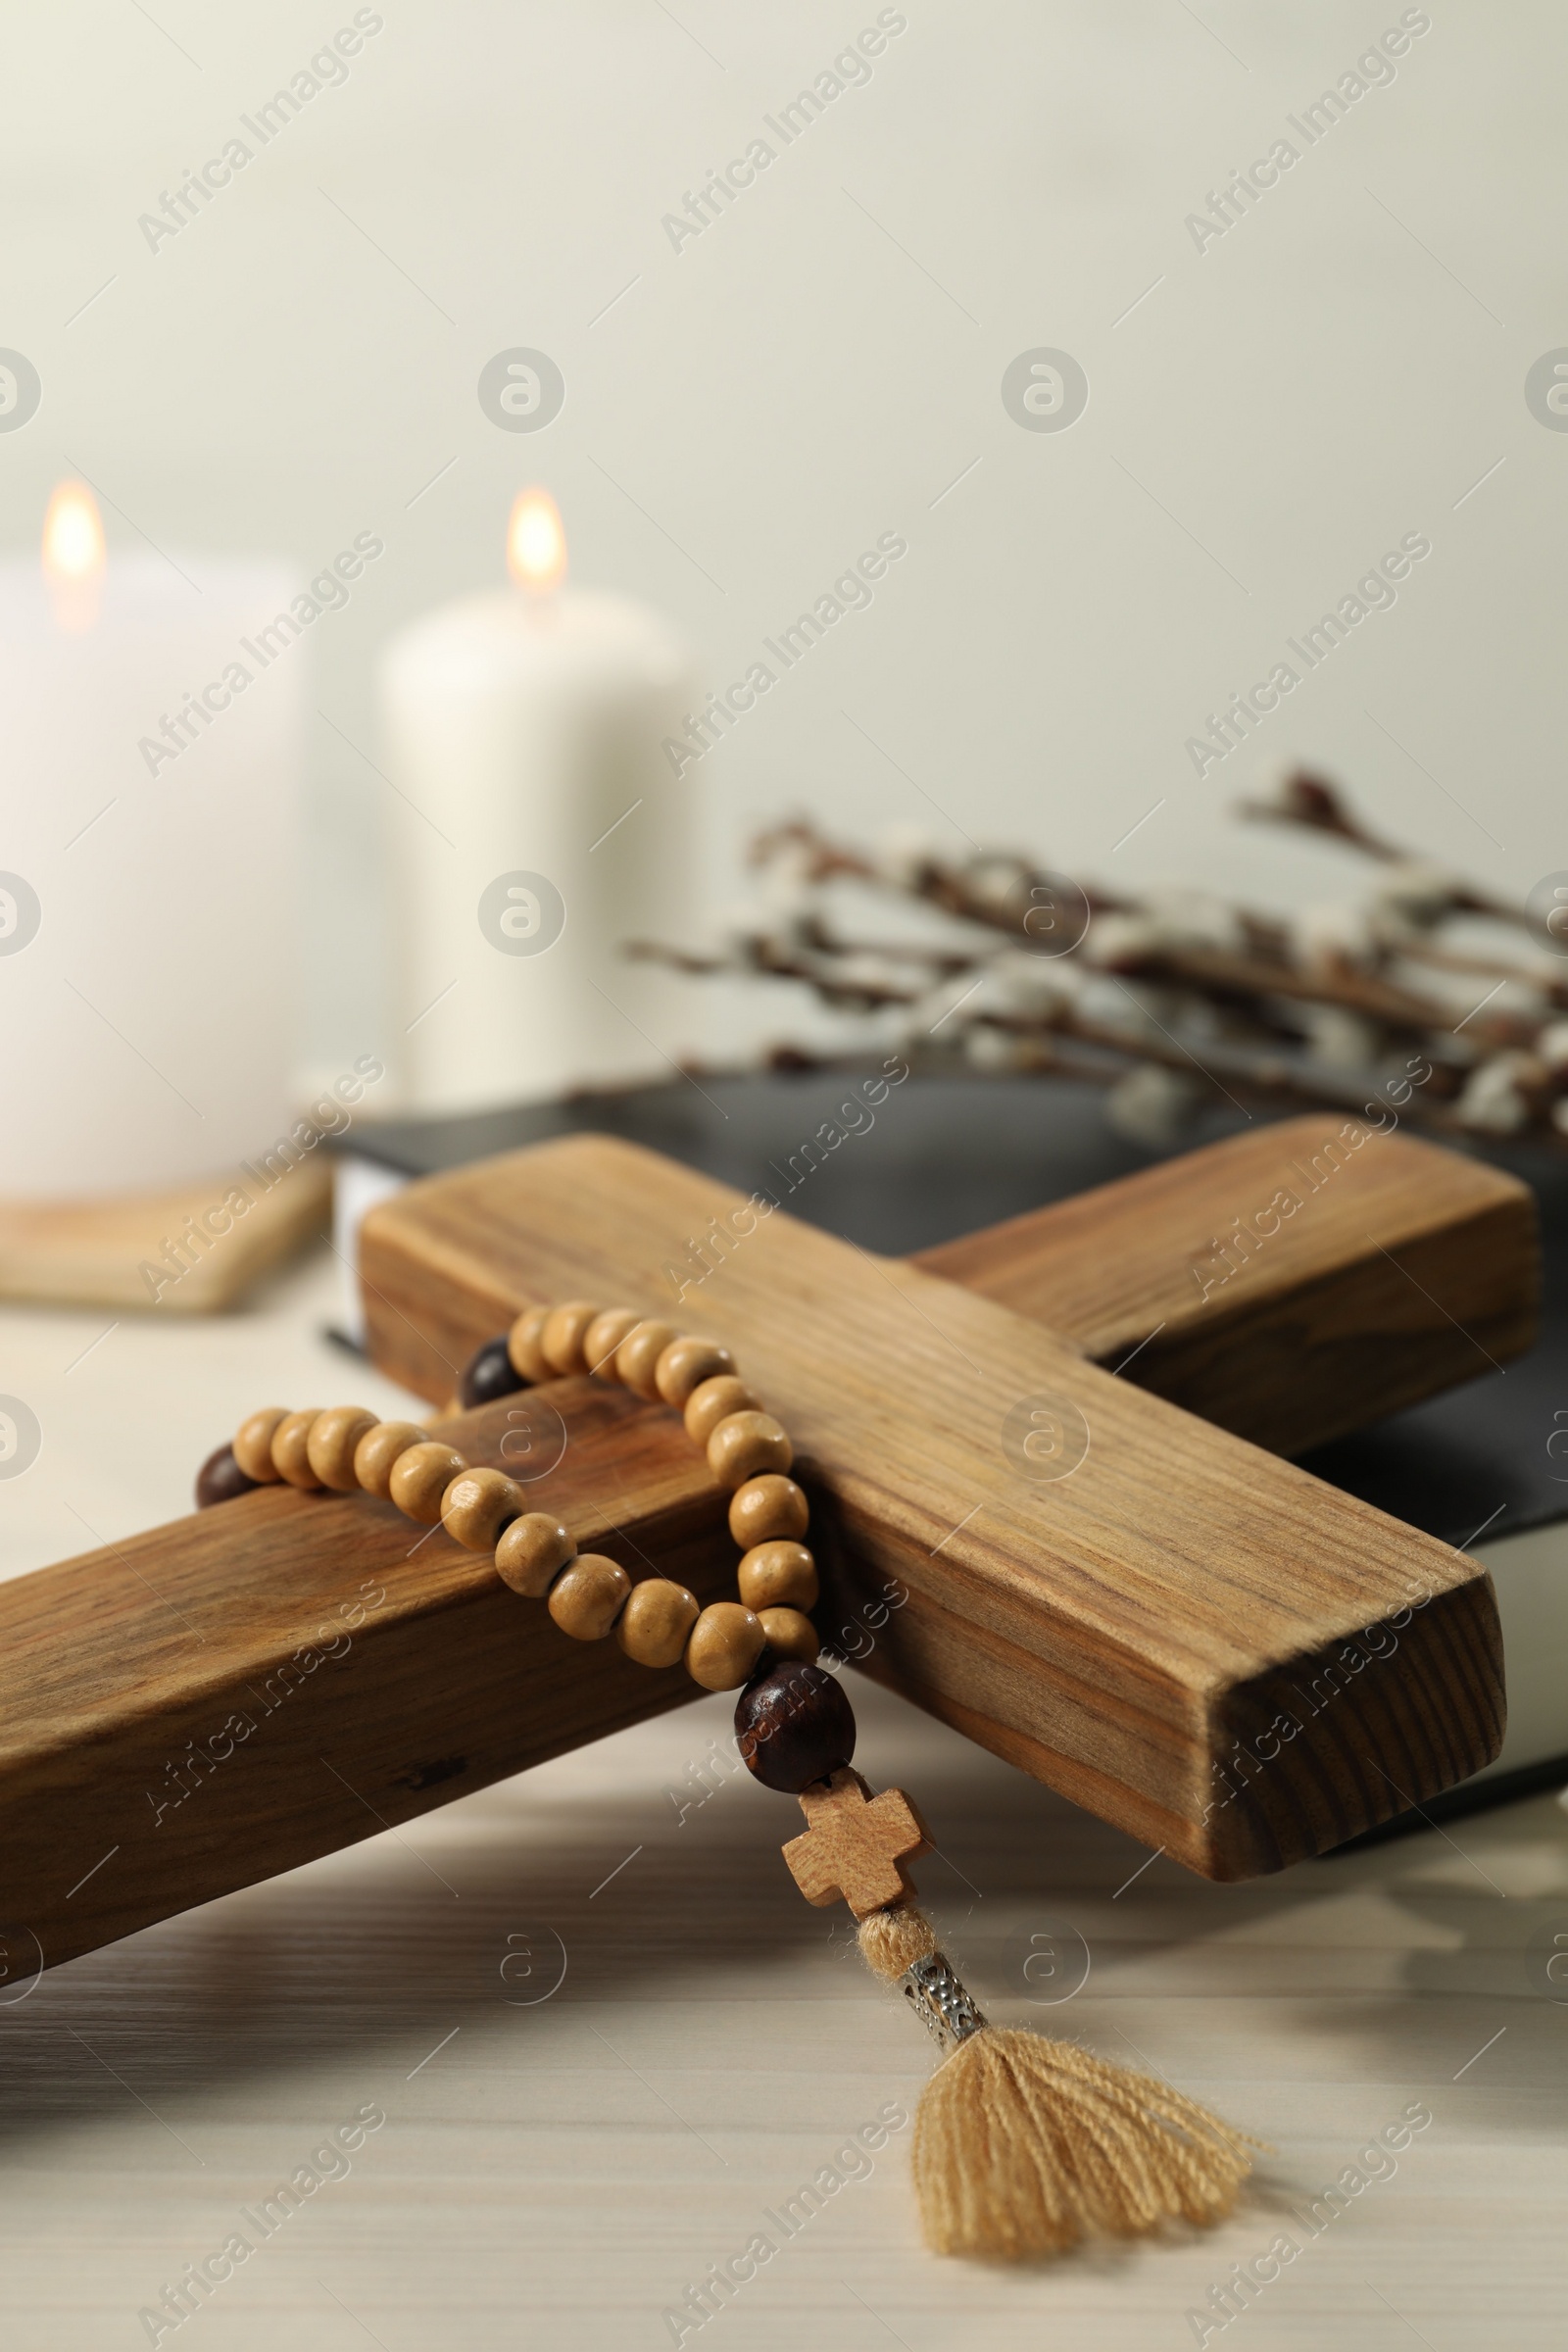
139, 1250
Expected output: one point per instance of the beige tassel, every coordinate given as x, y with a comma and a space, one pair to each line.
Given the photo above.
1022, 2146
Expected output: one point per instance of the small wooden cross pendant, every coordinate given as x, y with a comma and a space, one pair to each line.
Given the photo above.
857, 1846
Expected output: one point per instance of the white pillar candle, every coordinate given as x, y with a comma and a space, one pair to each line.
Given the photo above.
147, 904
536, 828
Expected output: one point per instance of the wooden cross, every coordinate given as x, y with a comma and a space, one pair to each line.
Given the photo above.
1187, 1633
857, 1844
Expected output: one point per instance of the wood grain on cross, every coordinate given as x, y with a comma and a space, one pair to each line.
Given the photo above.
194, 1709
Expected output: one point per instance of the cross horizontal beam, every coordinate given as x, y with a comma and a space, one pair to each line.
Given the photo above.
1289, 1285
212, 1702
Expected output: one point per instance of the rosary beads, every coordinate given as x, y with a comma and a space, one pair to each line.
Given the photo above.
345, 1449
1022, 2146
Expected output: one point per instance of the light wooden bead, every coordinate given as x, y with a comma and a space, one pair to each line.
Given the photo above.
253, 1444
605, 1335
657, 1621
290, 1460
532, 1552
779, 1575
561, 1341
767, 1509
790, 1634
637, 1356
587, 1598
725, 1644
477, 1505
379, 1448
329, 1448
522, 1344
685, 1364
420, 1476
713, 1400
746, 1445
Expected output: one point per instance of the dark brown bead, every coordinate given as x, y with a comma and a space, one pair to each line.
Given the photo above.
221, 1477
487, 1374
794, 1725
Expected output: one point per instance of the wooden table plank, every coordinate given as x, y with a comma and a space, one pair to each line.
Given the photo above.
714, 2043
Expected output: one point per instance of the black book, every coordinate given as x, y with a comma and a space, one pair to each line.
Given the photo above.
1485, 1466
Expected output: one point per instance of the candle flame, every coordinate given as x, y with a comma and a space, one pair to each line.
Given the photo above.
74, 554
536, 544
73, 537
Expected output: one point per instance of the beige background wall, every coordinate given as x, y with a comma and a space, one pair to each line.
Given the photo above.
1266, 417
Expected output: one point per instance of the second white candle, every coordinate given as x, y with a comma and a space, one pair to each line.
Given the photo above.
537, 828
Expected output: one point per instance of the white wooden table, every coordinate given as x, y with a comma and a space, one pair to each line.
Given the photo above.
607, 2039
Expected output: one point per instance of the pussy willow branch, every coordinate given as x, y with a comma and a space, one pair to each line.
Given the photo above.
1224, 1000
1078, 1049
1314, 805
